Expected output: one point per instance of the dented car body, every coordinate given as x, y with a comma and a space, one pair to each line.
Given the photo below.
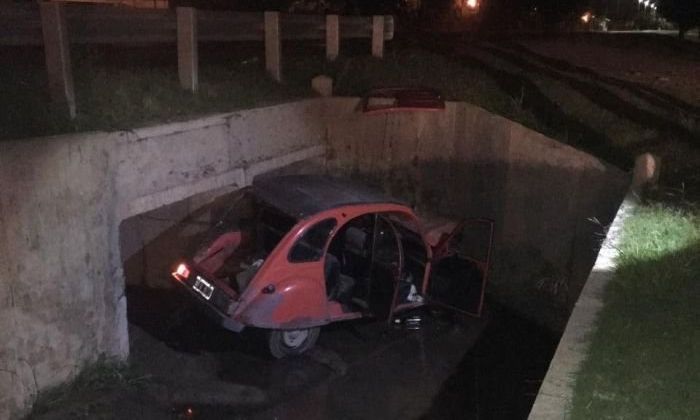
294, 253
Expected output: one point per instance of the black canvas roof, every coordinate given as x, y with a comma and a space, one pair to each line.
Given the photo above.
305, 195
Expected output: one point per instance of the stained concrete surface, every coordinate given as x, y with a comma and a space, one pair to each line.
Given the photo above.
62, 298
549, 201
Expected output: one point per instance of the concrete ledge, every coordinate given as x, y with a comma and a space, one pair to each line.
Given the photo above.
238, 177
267, 165
149, 202
556, 393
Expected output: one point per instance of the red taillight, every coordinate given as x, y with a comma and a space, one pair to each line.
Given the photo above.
181, 272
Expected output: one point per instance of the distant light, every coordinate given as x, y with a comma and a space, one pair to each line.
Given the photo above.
586, 17
472, 4
646, 3
640, 1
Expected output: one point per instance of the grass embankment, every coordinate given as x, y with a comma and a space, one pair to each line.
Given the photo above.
119, 88
644, 358
127, 88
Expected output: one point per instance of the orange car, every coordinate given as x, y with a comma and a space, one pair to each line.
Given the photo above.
294, 253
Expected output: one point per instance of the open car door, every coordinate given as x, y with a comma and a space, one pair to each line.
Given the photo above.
460, 267
387, 264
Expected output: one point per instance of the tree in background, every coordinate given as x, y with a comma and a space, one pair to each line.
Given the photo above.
685, 13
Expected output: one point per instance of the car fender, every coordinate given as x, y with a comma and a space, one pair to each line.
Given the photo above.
292, 304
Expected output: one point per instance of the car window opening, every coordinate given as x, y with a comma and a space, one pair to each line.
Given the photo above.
362, 262
309, 247
241, 240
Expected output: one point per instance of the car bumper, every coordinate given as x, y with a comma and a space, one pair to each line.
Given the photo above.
211, 310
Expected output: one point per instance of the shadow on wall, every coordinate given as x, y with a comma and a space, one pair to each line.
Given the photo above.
550, 222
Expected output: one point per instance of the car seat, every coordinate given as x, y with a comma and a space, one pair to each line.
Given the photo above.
339, 287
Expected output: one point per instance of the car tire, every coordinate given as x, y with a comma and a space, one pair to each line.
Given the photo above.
283, 343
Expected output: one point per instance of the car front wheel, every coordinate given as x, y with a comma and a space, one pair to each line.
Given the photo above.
284, 343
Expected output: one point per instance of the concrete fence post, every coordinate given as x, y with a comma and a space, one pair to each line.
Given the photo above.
323, 85
273, 46
378, 36
332, 37
646, 171
57, 53
187, 56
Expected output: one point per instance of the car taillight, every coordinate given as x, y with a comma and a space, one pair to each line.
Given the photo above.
182, 272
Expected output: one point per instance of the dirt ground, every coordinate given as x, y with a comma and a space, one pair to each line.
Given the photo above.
661, 67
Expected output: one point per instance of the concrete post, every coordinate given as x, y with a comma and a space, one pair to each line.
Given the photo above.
378, 36
273, 46
187, 56
323, 85
57, 53
332, 37
646, 171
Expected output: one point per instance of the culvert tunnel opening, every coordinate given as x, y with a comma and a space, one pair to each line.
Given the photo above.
502, 368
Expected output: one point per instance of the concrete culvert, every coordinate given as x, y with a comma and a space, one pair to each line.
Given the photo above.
550, 203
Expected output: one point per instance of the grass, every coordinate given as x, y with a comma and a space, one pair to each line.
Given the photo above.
127, 88
644, 358
86, 394
138, 88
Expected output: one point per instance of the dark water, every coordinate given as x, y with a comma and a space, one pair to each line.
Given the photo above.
500, 376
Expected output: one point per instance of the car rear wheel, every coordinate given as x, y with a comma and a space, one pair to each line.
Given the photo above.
284, 343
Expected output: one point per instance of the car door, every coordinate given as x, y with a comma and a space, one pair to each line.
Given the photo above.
385, 268
460, 267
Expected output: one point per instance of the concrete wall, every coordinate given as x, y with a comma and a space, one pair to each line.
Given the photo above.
467, 162
60, 286
63, 198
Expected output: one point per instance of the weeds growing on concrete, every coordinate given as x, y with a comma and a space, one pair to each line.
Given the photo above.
99, 379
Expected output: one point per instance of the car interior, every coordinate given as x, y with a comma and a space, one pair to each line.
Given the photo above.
261, 228
362, 261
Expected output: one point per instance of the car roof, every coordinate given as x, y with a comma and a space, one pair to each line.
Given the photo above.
301, 196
